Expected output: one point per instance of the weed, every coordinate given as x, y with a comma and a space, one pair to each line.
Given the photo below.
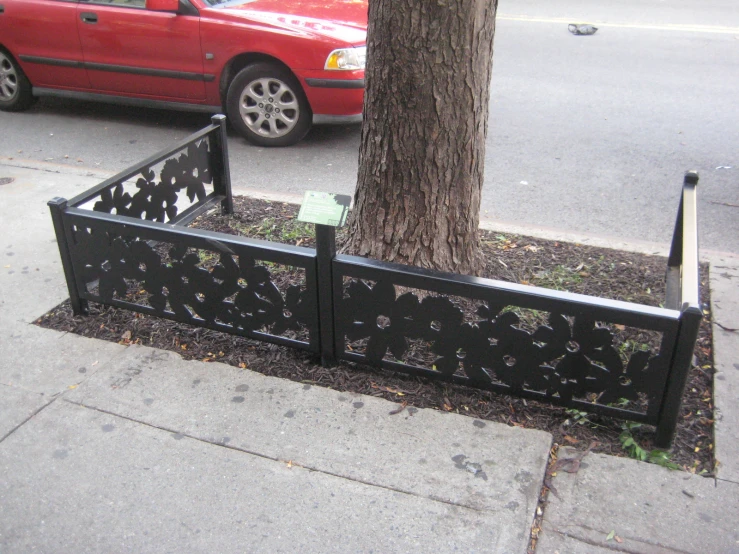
622, 403
297, 230
557, 278
628, 347
206, 257
578, 417
632, 448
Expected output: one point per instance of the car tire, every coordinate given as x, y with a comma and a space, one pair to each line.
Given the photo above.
267, 105
15, 88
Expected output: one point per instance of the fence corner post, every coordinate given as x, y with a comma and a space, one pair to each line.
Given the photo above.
220, 165
325, 253
58, 206
682, 360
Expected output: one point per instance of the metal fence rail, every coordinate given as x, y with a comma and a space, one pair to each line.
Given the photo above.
134, 251
568, 358
160, 266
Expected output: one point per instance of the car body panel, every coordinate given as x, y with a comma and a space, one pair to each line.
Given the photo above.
35, 41
136, 53
161, 50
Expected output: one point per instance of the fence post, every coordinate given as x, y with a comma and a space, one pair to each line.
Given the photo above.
690, 320
325, 252
58, 206
219, 163
683, 292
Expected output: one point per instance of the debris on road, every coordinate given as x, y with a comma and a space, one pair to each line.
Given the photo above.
581, 28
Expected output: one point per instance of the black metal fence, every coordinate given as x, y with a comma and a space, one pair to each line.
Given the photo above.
133, 250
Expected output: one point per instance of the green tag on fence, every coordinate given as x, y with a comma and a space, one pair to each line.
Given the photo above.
324, 208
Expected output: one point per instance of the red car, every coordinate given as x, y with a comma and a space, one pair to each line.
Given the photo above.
275, 67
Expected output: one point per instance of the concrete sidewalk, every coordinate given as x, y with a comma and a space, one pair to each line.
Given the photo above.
106, 448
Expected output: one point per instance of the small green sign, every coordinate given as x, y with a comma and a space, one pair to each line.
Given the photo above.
324, 208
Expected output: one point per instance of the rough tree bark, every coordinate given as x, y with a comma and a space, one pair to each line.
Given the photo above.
422, 153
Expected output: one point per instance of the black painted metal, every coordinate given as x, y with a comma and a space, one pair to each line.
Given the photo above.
58, 207
143, 168
467, 330
690, 320
524, 296
220, 169
326, 252
683, 291
569, 361
157, 269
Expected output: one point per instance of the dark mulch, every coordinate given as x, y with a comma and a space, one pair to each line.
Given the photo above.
564, 266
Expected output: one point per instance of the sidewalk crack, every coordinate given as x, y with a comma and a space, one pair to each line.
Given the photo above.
34, 414
273, 459
619, 547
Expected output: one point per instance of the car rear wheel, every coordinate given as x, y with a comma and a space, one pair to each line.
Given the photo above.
266, 104
15, 88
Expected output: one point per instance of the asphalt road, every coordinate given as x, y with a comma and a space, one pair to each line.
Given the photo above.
588, 134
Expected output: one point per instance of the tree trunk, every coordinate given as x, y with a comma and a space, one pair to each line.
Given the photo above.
422, 154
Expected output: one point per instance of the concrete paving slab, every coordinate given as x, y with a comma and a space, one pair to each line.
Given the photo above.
49, 362
554, 543
16, 406
652, 509
447, 457
31, 276
724, 280
78, 480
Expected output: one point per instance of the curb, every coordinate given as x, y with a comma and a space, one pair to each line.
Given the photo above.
488, 224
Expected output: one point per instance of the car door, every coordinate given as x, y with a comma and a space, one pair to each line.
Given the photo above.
131, 50
42, 36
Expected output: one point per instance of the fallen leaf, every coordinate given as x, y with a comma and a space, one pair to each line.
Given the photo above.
73, 386
618, 539
126, 335
290, 464
394, 391
572, 465
571, 440
402, 407
611, 535
242, 365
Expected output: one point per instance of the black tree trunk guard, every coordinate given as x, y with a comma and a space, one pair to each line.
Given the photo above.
126, 243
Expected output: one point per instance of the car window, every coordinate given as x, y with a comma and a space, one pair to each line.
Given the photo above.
126, 3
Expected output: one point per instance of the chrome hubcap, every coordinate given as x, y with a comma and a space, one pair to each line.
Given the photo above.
8, 78
269, 107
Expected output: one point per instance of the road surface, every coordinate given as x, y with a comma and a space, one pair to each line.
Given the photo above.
588, 134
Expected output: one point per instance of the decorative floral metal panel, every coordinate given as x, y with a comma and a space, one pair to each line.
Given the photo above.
564, 357
228, 291
160, 200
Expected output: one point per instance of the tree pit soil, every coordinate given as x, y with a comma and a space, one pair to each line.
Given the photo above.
606, 273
